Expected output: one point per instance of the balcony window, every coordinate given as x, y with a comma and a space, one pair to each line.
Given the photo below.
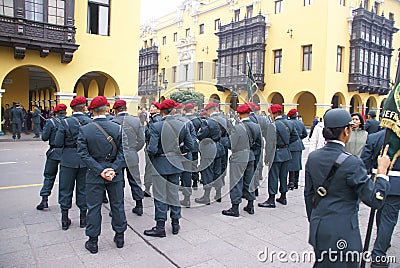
7, 8
201, 29
34, 10
307, 58
342, 2
249, 11
174, 74
237, 15
278, 6
56, 12
217, 24
277, 61
201, 69
339, 59
175, 37
188, 32
164, 40
307, 2
98, 17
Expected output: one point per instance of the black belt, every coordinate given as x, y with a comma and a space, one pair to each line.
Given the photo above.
52, 146
281, 146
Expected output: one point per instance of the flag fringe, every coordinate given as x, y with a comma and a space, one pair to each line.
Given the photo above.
390, 124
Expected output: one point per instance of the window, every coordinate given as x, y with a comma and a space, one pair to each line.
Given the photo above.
164, 40
174, 74
215, 69
249, 11
7, 8
307, 2
339, 59
188, 32
366, 4
151, 42
201, 69
278, 6
277, 61
307, 58
186, 66
98, 17
342, 2
163, 74
34, 10
237, 14
56, 12
201, 28
175, 37
145, 44
217, 24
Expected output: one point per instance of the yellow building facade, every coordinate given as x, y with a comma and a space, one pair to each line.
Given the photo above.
313, 81
59, 49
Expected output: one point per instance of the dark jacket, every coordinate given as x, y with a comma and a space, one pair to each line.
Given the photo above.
254, 136
372, 126
49, 134
210, 131
36, 119
98, 153
16, 116
284, 131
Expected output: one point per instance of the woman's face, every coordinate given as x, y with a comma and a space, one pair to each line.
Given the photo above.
356, 121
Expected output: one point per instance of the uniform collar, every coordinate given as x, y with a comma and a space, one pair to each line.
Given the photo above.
122, 114
245, 119
337, 142
100, 116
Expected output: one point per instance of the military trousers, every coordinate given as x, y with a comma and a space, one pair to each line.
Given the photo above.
224, 165
49, 174
115, 192
240, 177
186, 175
36, 129
166, 194
149, 172
278, 172
386, 220
195, 175
211, 174
133, 175
16, 130
256, 177
69, 179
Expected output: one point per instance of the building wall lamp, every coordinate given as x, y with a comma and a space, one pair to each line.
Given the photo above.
290, 32
166, 58
205, 49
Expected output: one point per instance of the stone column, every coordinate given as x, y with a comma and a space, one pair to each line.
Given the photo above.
322, 108
132, 103
1, 125
65, 98
288, 106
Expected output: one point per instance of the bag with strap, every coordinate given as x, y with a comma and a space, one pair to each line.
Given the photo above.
69, 129
322, 190
109, 139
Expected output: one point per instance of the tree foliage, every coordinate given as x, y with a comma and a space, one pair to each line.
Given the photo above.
187, 96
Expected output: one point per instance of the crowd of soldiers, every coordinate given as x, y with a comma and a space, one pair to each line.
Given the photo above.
183, 149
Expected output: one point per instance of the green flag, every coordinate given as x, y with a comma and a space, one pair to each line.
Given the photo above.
391, 117
251, 83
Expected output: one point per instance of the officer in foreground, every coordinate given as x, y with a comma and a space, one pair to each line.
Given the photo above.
53, 154
99, 146
332, 197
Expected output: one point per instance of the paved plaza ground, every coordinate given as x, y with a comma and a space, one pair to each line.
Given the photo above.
32, 238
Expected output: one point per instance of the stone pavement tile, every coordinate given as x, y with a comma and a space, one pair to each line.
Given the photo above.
71, 261
12, 232
197, 237
191, 256
288, 227
79, 246
171, 243
187, 225
42, 227
143, 256
48, 238
246, 242
19, 259
75, 233
104, 258
210, 263
10, 222
54, 252
35, 217
14, 244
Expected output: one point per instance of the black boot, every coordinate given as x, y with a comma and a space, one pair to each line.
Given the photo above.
105, 199
65, 221
147, 191
119, 240
233, 211
82, 219
218, 197
157, 231
250, 207
291, 180
256, 192
175, 226
91, 244
43, 204
194, 185
186, 201
296, 179
282, 199
270, 203
138, 209
205, 199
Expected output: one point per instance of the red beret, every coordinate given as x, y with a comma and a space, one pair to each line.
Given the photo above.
203, 113
108, 104
78, 100
167, 104
156, 104
253, 106
98, 102
60, 107
178, 105
119, 103
291, 112
211, 105
188, 106
243, 109
275, 108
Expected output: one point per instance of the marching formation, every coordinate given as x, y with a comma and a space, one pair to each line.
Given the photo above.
94, 151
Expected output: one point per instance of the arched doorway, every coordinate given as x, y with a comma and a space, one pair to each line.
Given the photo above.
276, 98
338, 100
93, 84
356, 105
214, 98
306, 107
256, 99
371, 104
382, 104
233, 101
